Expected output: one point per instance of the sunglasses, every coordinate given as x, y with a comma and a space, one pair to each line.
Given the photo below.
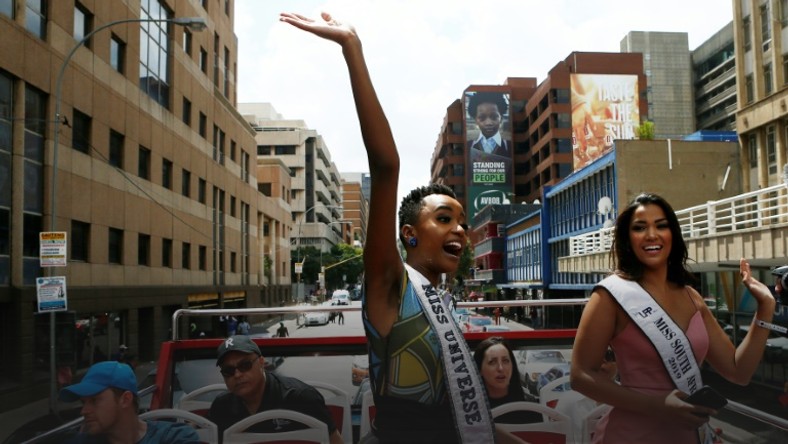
243, 367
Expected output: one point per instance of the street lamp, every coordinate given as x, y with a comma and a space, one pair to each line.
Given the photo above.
194, 23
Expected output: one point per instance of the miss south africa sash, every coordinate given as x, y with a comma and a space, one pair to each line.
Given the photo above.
468, 400
671, 343
669, 340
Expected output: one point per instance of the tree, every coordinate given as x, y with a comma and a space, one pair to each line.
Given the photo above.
645, 131
463, 270
344, 265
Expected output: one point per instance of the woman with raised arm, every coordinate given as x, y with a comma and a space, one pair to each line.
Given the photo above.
425, 384
661, 332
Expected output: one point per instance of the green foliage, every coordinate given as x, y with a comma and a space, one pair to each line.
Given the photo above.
344, 265
645, 131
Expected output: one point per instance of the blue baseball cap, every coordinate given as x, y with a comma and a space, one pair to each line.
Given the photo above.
101, 376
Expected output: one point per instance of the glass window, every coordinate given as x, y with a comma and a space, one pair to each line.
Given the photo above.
166, 252
154, 52
166, 174
232, 206
201, 186
186, 256
115, 246
7, 8
186, 179
143, 249
116, 149
36, 18
771, 150
83, 23
6, 132
35, 131
766, 26
79, 240
203, 125
187, 41
749, 88
80, 132
187, 112
784, 12
747, 33
203, 60
143, 163
767, 78
203, 257
563, 120
232, 150
753, 150
32, 226
117, 54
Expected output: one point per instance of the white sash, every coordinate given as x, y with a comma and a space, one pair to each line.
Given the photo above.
671, 343
469, 403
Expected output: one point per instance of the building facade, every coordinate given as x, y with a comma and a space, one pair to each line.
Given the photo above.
668, 70
356, 206
154, 184
714, 78
761, 41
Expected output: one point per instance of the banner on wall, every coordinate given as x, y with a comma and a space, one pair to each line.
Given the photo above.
605, 107
488, 137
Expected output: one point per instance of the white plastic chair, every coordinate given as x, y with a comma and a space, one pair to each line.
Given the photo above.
549, 396
368, 411
316, 431
338, 403
555, 429
590, 421
206, 430
199, 401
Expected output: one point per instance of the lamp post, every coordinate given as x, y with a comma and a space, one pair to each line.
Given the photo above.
194, 23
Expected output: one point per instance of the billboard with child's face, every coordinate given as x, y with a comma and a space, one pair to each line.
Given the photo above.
488, 137
605, 107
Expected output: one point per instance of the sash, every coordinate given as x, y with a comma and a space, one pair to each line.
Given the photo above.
671, 343
468, 400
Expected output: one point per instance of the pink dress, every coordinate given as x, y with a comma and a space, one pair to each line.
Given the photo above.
641, 369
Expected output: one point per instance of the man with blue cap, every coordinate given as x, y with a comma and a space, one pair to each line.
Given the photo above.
109, 407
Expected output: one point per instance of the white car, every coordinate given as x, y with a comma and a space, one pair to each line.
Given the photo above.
341, 297
316, 318
496, 328
532, 363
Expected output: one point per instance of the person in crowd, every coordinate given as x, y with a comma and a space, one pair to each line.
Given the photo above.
496, 363
251, 389
282, 331
243, 327
418, 397
108, 392
120, 355
649, 314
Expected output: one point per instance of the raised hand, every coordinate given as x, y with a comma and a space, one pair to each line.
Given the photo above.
758, 289
327, 28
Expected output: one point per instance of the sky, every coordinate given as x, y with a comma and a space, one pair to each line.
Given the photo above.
422, 55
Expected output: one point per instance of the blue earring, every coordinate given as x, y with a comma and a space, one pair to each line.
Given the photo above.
413, 242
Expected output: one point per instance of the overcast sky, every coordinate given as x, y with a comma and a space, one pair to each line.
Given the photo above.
422, 54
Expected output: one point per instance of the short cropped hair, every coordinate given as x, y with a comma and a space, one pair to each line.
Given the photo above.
411, 205
487, 97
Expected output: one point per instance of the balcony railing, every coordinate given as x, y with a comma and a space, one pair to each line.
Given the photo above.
756, 209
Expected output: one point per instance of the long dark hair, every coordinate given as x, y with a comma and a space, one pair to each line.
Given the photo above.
625, 261
515, 388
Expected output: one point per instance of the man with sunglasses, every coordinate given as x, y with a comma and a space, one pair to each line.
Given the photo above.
253, 390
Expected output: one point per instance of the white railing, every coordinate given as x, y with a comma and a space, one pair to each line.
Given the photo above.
753, 210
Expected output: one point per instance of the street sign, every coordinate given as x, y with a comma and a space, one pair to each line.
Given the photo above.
52, 248
299, 267
51, 293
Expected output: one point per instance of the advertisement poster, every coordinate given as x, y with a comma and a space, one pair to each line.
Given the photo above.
605, 107
51, 293
488, 137
52, 248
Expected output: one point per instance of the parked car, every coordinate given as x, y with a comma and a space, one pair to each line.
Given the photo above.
341, 297
476, 323
316, 318
532, 363
551, 375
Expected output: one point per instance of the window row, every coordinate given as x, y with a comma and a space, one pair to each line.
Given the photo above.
118, 241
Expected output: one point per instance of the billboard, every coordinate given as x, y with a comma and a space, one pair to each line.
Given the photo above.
489, 147
605, 107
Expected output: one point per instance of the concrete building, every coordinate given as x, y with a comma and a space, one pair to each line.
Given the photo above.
356, 206
669, 89
315, 195
761, 42
155, 185
714, 78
